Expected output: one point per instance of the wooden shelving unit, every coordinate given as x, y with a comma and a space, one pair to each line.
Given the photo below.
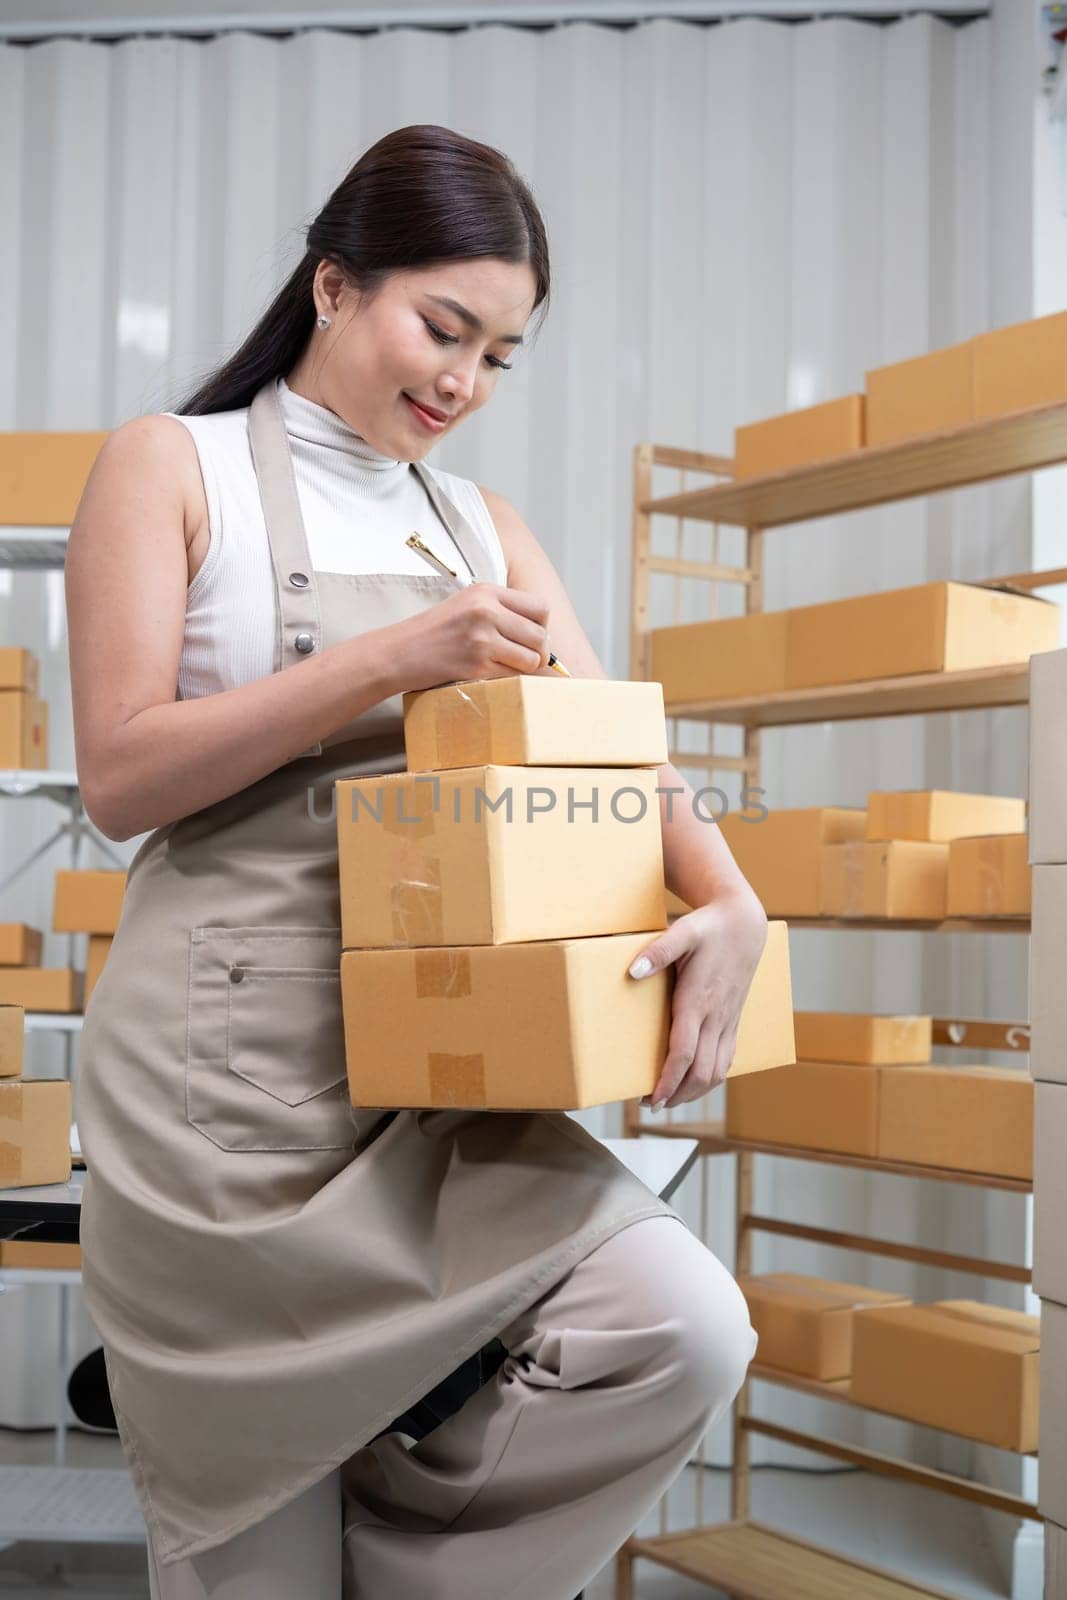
742, 1558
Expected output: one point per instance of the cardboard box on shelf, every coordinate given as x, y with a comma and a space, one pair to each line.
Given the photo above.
35, 1115
23, 731
938, 815
923, 395
1052, 1482
988, 877
99, 950
1050, 1191
19, 669
900, 879
1048, 758
495, 855
88, 902
535, 720
34, 1253
42, 475
805, 1324
779, 853
795, 438
1048, 992
930, 627
12, 1039
20, 945
861, 1037
814, 1105
41, 988
1022, 365
967, 1119
957, 1365
720, 660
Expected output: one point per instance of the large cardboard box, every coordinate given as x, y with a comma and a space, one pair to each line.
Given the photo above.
795, 438
23, 731
1021, 365
1052, 1482
923, 395
989, 877
495, 855
535, 721
18, 669
12, 1040
42, 476
41, 988
967, 1119
1050, 1191
931, 627
1048, 758
555, 1024
721, 660
805, 1324
35, 1118
814, 1105
899, 879
20, 945
88, 902
958, 1365
1048, 991
99, 950
859, 1037
56, 1256
938, 815
779, 853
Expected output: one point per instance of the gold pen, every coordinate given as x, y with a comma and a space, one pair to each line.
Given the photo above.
424, 550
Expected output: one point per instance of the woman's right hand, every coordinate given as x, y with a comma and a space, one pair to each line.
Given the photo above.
481, 631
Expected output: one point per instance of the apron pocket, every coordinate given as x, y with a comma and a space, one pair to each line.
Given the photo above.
265, 1054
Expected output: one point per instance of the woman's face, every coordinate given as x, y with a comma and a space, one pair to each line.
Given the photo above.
437, 337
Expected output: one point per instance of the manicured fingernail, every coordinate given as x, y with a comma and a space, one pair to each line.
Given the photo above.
641, 967
658, 1105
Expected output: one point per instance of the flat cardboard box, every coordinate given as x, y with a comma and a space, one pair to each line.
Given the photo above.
35, 1115
957, 1365
805, 1324
1020, 366
814, 1105
930, 627
20, 945
938, 815
88, 902
438, 861
554, 1024
56, 1256
1048, 759
1050, 1191
720, 660
779, 852
900, 879
18, 669
924, 395
1052, 1482
965, 1119
12, 1040
99, 950
41, 988
535, 720
795, 438
989, 877
42, 475
23, 731
1048, 991
860, 1037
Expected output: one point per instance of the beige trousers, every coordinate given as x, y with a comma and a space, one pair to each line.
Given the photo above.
525, 1492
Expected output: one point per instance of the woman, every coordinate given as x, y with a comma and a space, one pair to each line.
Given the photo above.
275, 1275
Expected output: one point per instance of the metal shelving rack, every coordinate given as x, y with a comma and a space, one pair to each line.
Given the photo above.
743, 1558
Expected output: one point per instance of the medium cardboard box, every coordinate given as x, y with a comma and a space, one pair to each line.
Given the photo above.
814, 1105
535, 721
42, 476
720, 660
12, 1040
899, 879
555, 1024
1052, 1483
989, 877
88, 902
1050, 1191
923, 395
99, 950
958, 1365
1021, 365
794, 438
41, 988
859, 1037
23, 731
931, 627
805, 1324
495, 855
20, 945
1048, 758
40, 1253
967, 1119
1048, 992
18, 669
938, 815
779, 853
34, 1131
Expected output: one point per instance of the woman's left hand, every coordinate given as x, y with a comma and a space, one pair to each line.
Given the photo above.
717, 948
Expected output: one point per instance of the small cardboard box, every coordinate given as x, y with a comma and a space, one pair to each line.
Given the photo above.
42, 476
88, 902
795, 438
899, 879
938, 815
931, 627
1052, 1482
965, 1119
923, 395
18, 669
41, 988
40, 1253
1048, 992
12, 1040
805, 1324
99, 950
23, 731
814, 1105
860, 1037
20, 945
1020, 366
495, 855
1050, 1191
555, 1024
989, 877
535, 721
957, 1365
35, 1118
779, 853
720, 660
1048, 758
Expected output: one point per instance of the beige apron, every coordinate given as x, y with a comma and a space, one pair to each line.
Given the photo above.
275, 1275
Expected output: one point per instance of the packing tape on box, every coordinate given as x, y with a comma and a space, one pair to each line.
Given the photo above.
417, 907
456, 1080
463, 717
853, 862
443, 974
11, 1112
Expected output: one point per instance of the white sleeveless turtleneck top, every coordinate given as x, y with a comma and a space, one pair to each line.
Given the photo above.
358, 505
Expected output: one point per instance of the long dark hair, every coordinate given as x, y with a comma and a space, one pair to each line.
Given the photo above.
421, 196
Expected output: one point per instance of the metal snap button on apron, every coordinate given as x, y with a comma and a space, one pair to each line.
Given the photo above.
236, 974
304, 643
299, 580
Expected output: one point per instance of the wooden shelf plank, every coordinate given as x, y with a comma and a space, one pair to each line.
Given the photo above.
916, 694
1019, 441
917, 925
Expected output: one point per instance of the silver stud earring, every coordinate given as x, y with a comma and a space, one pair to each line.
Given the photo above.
322, 322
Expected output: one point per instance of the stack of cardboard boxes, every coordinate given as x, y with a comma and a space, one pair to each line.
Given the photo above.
23, 714
89, 902
85, 902
35, 1116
